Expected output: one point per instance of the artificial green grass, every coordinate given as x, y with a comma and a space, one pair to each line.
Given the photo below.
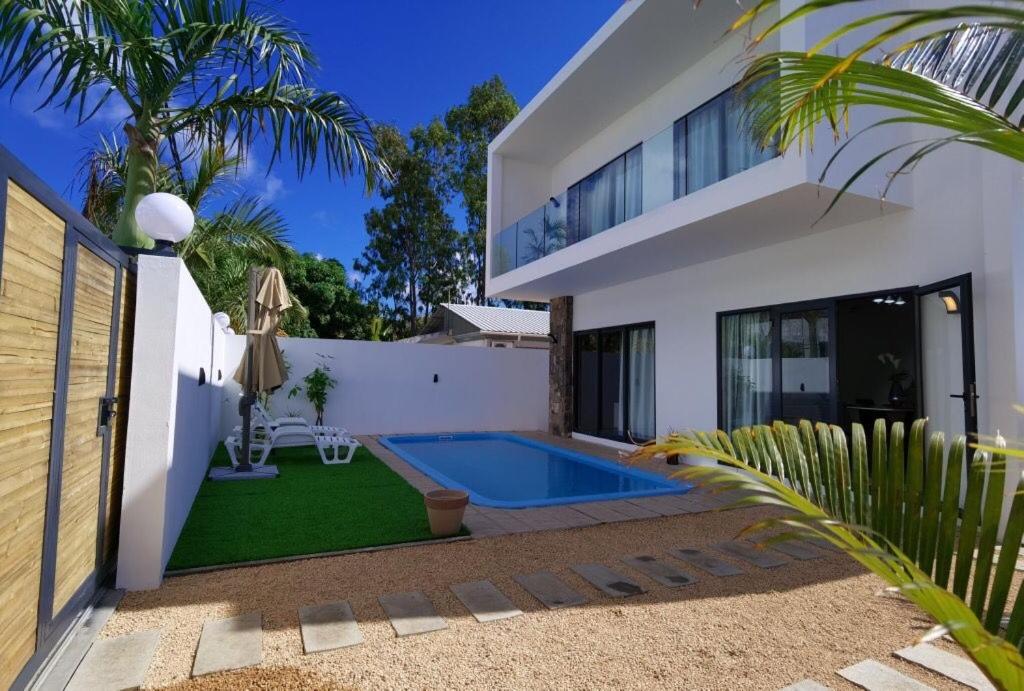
309, 508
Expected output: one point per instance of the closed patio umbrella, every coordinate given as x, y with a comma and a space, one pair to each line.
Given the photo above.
262, 367
271, 300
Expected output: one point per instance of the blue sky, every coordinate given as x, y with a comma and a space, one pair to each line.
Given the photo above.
401, 61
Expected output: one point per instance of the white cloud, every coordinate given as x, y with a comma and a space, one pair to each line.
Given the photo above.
273, 188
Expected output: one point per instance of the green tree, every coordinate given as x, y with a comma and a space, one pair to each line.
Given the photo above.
335, 307
411, 261
954, 68
472, 126
196, 74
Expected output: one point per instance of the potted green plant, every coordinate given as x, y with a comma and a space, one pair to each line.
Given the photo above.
316, 384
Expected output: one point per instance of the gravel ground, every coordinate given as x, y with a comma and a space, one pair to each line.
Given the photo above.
762, 630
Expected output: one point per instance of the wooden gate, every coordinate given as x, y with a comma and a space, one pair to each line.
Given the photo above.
66, 316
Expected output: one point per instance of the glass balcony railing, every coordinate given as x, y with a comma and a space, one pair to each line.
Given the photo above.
708, 145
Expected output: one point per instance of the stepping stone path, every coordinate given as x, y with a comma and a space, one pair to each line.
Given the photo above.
328, 627
947, 664
411, 613
874, 676
484, 601
748, 552
806, 685
607, 581
550, 590
660, 571
231, 643
798, 549
707, 562
116, 663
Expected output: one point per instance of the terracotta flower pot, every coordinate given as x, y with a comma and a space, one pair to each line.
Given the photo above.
445, 508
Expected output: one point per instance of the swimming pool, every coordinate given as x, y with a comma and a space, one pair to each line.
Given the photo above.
510, 472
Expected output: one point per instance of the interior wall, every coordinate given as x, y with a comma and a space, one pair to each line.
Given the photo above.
865, 331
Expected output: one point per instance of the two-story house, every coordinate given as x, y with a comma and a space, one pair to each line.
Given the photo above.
691, 283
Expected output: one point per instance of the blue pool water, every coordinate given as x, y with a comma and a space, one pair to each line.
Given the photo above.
510, 472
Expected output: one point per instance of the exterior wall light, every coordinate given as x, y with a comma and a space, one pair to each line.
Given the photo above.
165, 218
950, 300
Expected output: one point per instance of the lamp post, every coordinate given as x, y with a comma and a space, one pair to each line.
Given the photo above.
165, 218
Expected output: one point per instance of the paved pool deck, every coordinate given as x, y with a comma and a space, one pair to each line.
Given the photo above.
484, 521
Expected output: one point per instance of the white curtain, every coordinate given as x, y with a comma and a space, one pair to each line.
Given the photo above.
704, 146
634, 183
742, 150
641, 383
601, 199
746, 385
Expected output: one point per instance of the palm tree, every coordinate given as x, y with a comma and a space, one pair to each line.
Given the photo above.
226, 241
954, 68
194, 74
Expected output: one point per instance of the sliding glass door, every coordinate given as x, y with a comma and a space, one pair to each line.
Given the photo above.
745, 361
615, 382
776, 363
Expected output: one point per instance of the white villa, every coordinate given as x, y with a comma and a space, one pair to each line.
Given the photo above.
690, 281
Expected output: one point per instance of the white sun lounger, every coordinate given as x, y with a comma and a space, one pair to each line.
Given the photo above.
289, 431
234, 446
334, 444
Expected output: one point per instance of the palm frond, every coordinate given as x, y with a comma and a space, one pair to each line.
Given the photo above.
888, 519
310, 124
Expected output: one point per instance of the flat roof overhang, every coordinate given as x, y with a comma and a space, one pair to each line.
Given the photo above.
642, 47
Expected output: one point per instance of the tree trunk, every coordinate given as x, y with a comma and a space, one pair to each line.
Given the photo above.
413, 304
142, 165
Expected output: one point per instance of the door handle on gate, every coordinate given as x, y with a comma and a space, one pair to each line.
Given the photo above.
108, 410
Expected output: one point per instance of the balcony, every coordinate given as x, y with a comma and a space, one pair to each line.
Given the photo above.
698, 150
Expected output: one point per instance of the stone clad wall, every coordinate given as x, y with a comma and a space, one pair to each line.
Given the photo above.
560, 383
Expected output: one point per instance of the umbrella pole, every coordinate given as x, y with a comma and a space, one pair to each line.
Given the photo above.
248, 395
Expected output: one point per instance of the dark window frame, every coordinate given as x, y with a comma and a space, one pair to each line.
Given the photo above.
625, 330
776, 311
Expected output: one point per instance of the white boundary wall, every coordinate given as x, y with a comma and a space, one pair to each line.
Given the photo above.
175, 424
173, 421
388, 388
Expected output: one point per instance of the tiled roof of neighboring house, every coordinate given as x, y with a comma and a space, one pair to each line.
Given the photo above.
503, 319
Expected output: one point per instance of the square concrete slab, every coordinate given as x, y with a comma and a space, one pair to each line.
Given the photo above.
660, 571
764, 558
806, 685
116, 663
549, 589
411, 613
484, 601
707, 562
874, 676
328, 626
798, 549
608, 581
955, 667
231, 643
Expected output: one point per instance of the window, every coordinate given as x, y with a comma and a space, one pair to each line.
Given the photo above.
714, 142
745, 366
602, 198
615, 382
